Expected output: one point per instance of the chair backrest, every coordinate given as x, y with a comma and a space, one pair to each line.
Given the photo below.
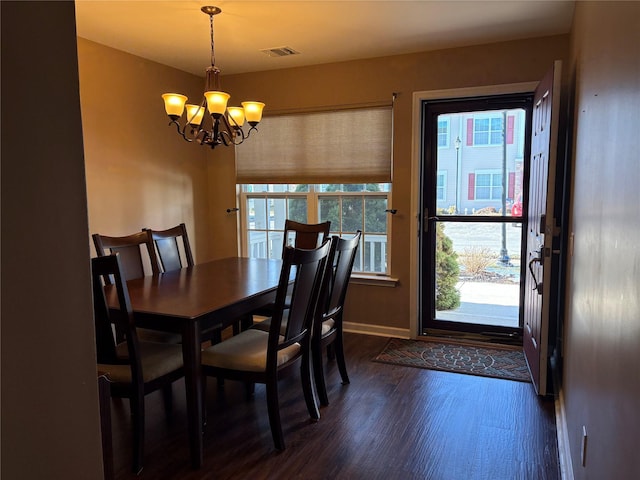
166, 242
129, 248
109, 266
336, 278
304, 235
307, 268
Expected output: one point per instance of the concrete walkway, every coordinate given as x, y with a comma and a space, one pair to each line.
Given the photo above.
486, 303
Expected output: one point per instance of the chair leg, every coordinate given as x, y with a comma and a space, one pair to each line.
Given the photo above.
331, 352
249, 390
273, 408
137, 423
246, 322
342, 365
318, 374
204, 401
167, 399
307, 387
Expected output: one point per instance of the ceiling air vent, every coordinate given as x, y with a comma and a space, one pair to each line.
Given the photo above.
280, 51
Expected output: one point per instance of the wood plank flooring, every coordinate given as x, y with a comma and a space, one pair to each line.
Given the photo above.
391, 422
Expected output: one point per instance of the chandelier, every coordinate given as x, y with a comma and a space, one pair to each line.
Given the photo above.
226, 122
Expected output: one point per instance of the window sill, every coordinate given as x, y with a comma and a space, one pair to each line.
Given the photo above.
376, 280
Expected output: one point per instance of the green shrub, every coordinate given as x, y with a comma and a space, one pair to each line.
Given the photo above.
447, 272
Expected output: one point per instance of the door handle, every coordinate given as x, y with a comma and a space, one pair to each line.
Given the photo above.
426, 219
537, 286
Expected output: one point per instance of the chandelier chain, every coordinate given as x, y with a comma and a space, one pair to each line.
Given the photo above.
213, 55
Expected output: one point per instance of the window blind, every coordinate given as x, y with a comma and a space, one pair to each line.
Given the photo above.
345, 146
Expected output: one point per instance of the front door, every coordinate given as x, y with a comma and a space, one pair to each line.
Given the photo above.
542, 230
475, 174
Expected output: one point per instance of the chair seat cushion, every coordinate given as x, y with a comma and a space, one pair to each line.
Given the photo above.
157, 359
246, 352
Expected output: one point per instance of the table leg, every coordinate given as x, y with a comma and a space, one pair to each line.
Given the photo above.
193, 386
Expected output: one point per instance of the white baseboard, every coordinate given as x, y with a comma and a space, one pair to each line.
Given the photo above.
378, 330
564, 448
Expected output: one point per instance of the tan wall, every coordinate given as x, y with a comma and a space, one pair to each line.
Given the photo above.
375, 80
601, 383
140, 173
50, 419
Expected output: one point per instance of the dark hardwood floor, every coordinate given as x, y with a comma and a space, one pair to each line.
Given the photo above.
391, 422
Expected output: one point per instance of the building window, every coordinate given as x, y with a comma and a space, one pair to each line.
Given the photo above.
349, 207
488, 185
487, 130
441, 186
443, 132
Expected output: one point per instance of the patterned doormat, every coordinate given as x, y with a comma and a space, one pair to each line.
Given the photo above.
489, 361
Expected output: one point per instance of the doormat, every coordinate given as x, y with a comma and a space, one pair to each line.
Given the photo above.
495, 361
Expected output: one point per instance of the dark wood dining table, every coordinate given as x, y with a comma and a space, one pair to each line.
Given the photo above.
191, 300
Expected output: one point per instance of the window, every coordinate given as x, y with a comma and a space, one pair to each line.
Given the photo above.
441, 186
310, 167
487, 130
488, 185
349, 207
443, 132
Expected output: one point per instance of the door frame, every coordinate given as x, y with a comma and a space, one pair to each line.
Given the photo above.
416, 176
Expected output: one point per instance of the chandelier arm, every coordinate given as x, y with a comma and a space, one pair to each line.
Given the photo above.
194, 133
234, 132
225, 138
203, 138
180, 130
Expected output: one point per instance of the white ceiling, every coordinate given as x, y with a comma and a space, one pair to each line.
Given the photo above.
176, 33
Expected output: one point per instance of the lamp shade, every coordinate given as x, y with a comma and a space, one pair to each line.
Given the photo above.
216, 102
237, 116
195, 113
253, 112
174, 104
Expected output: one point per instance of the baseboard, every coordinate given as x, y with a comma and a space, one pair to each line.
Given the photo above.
564, 448
377, 330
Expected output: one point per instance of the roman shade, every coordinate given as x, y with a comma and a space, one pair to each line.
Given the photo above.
343, 146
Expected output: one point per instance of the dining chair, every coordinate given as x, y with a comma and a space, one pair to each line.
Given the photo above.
305, 235
172, 258
168, 249
130, 248
298, 235
134, 367
327, 332
256, 356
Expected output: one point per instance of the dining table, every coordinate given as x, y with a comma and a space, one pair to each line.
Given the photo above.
191, 300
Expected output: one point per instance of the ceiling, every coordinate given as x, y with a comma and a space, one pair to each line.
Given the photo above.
176, 33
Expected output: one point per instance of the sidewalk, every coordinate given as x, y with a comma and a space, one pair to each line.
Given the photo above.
486, 303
